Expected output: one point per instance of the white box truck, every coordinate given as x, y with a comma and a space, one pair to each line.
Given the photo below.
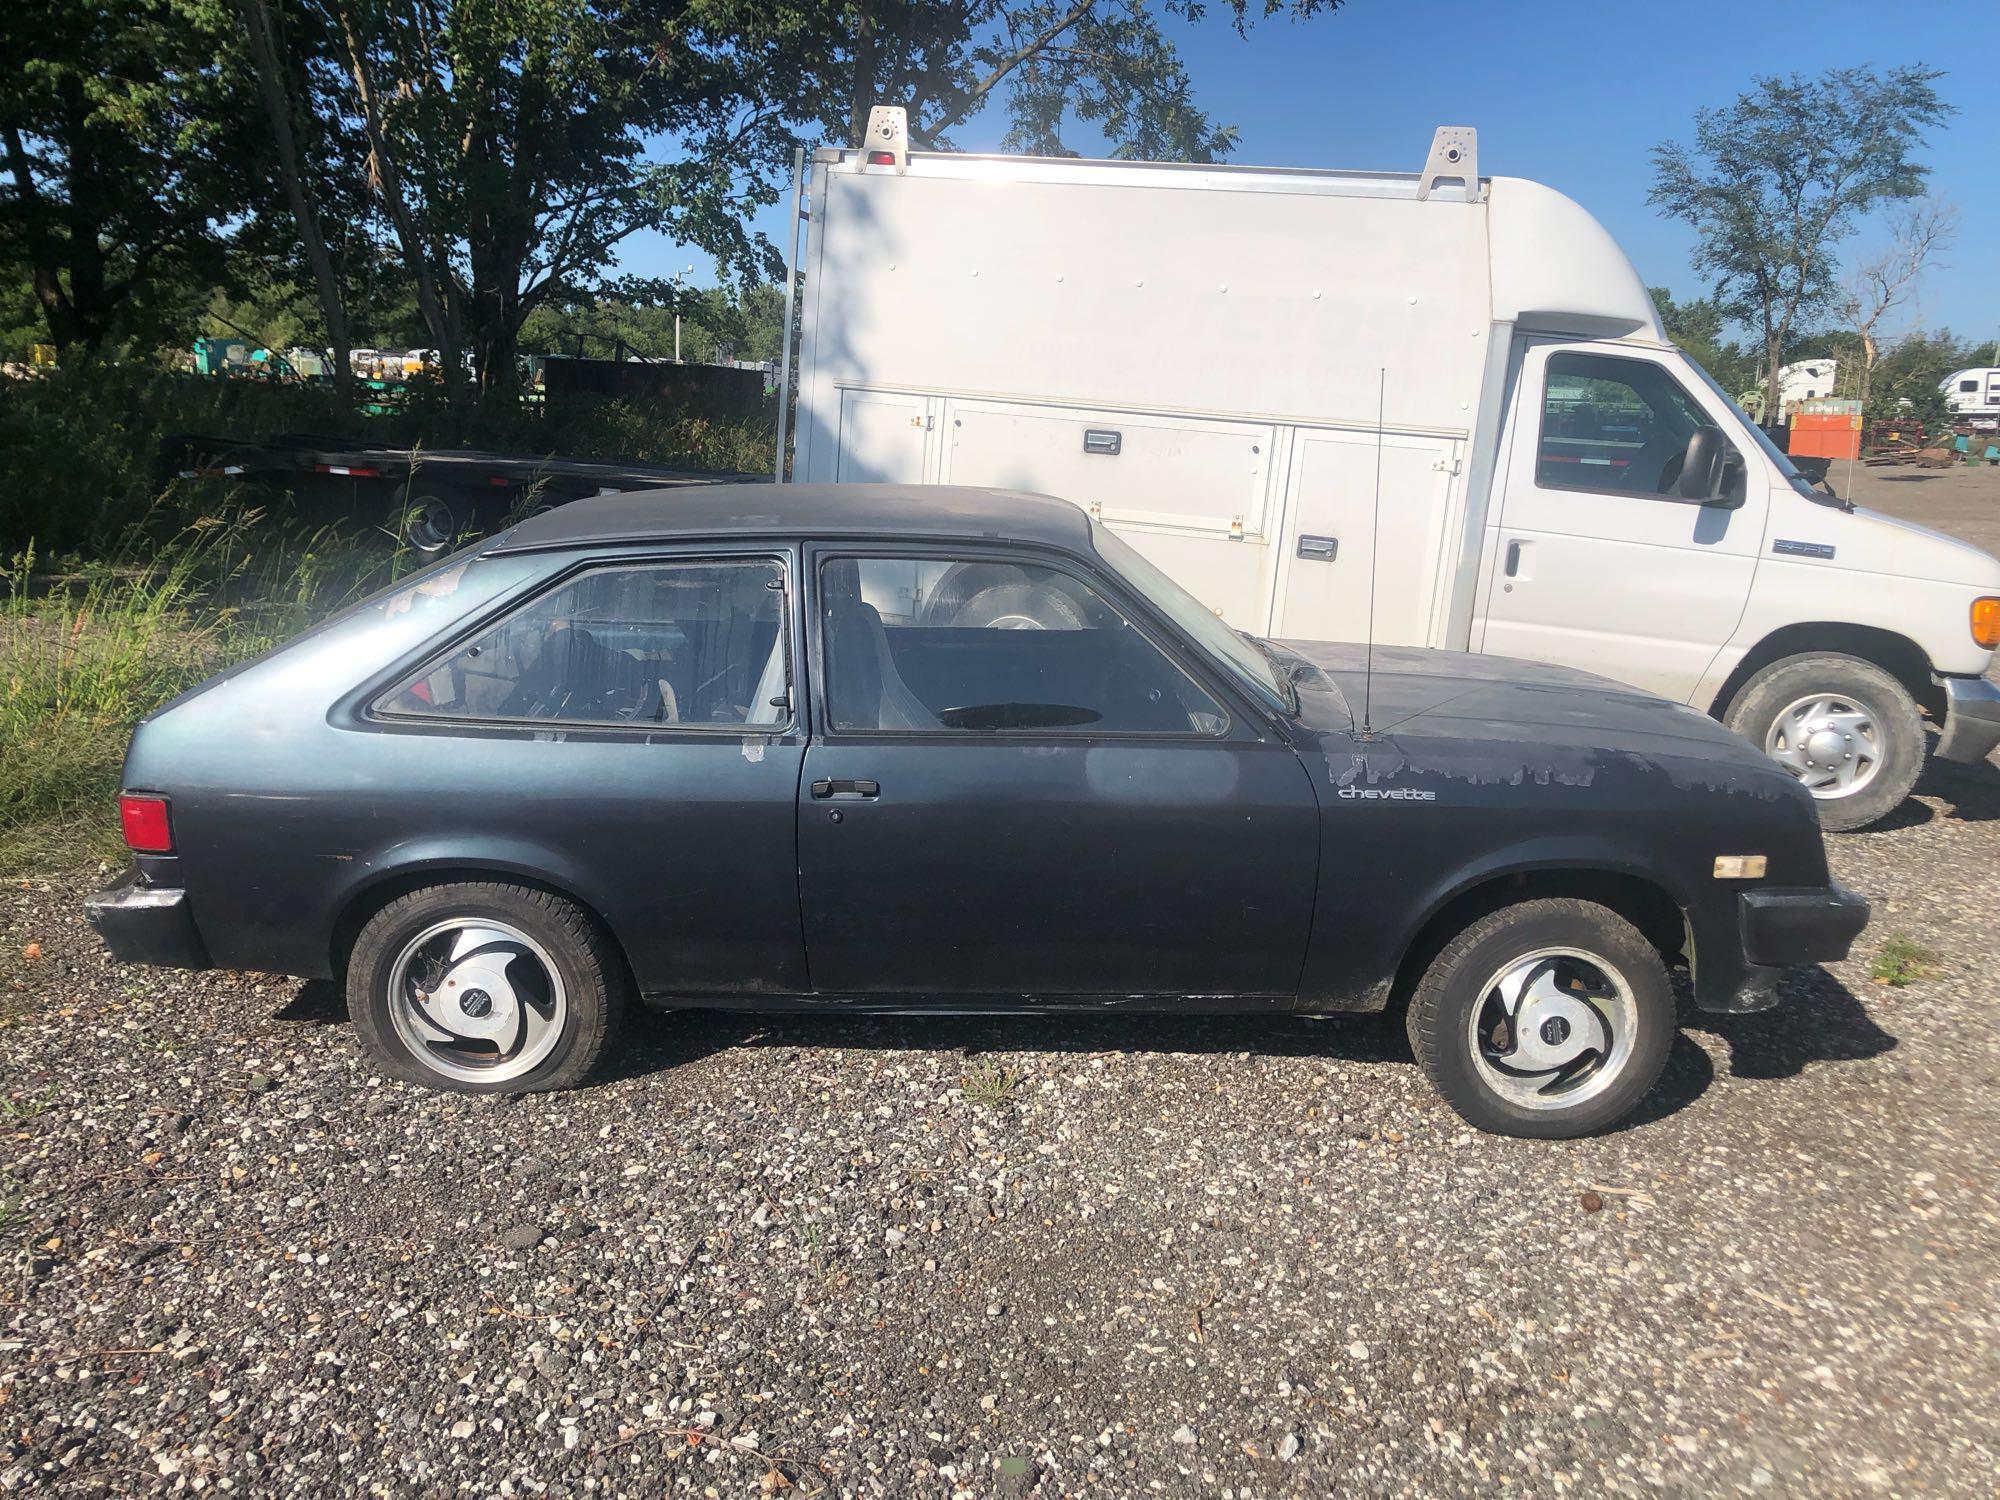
1442, 398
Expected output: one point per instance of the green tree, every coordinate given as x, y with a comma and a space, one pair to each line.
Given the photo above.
1907, 376
1697, 326
1107, 64
122, 141
1776, 179
515, 144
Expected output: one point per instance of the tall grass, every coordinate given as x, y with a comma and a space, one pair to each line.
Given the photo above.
87, 652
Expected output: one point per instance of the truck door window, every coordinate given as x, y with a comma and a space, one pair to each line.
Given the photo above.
933, 645
1614, 426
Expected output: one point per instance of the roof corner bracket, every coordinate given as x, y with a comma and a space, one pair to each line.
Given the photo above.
887, 140
1454, 158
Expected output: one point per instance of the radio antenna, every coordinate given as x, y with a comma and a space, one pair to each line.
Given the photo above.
1374, 547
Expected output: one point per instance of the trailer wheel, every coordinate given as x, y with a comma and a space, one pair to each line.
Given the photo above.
430, 525
1847, 729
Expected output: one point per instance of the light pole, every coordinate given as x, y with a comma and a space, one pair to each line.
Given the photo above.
684, 270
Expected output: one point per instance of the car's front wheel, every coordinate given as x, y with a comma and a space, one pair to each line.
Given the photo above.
484, 988
1551, 1018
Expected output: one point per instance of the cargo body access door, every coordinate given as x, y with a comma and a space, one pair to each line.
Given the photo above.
1270, 525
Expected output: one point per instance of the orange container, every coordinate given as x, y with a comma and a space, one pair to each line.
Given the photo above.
1827, 429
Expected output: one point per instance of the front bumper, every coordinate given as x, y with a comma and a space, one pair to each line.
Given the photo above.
1971, 720
146, 924
1800, 925
1778, 927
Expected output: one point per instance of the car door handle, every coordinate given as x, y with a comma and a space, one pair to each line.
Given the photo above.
1517, 553
840, 786
1319, 548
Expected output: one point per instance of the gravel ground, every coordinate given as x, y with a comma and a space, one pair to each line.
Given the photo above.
1148, 1256
1121, 1257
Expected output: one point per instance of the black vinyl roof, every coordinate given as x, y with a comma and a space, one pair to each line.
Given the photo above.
917, 512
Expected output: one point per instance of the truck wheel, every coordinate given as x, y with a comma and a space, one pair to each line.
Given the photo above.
484, 988
1549, 1019
1847, 729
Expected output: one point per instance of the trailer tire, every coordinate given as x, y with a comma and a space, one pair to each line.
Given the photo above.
430, 523
1806, 710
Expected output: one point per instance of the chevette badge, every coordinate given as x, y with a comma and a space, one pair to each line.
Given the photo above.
1390, 794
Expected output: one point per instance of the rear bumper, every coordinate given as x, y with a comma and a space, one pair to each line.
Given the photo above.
1971, 720
146, 924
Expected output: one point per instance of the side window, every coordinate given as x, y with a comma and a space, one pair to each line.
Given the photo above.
978, 647
689, 643
1613, 425
1968, 386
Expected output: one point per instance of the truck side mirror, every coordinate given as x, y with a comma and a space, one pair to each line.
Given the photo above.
1701, 465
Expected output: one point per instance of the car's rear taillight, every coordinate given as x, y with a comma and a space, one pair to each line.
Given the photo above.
143, 817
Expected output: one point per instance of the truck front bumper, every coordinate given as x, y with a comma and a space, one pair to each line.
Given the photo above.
146, 924
1971, 719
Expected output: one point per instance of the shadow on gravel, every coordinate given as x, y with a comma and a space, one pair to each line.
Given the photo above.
1819, 1020
318, 1001
658, 1040
1971, 794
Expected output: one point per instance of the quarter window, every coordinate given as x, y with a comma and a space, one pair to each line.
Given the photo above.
693, 644
1613, 425
975, 647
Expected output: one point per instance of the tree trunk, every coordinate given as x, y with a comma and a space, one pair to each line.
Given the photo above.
44, 259
1774, 359
438, 317
258, 30
862, 99
1870, 353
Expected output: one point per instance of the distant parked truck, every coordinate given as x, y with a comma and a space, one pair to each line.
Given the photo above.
1437, 404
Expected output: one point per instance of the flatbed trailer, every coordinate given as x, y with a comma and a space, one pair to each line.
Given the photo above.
430, 497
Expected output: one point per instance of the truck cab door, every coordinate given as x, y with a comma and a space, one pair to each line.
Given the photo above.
1594, 560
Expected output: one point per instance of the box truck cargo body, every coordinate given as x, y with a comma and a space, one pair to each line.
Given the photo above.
1435, 399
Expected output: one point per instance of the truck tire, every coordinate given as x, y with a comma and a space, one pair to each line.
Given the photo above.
485, 988
1845, 727
1550, 1019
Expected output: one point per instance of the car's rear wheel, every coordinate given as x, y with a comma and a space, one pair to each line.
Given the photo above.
485, 988
1848, 730
1551, 1018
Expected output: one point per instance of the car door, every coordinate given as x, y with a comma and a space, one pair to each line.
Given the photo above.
1019, 787
1597, 563
627, 734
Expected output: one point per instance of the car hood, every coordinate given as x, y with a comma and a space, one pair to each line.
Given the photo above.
1527, 718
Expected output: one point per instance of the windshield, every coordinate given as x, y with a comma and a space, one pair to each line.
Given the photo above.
1772, 451
1249, 665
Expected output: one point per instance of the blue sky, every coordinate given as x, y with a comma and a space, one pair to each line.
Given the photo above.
1574, 95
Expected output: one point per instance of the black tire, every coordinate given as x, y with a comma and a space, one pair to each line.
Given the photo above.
1754, 712
1453, 990
592, 974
